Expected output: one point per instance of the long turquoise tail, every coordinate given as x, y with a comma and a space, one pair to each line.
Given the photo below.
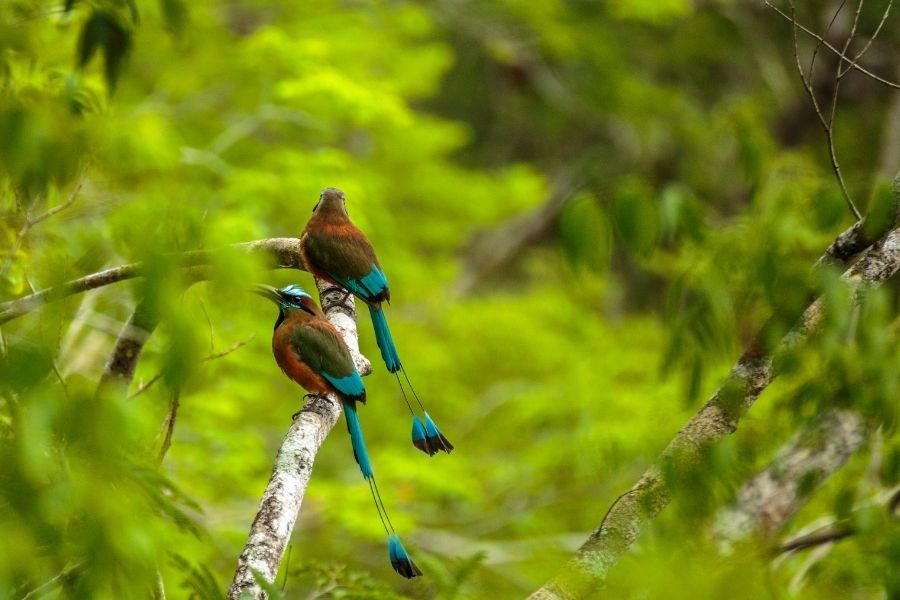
356, 440
384, 339
425, 435
400, 560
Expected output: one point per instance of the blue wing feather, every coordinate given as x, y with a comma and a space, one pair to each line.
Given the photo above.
349, 385
368, 287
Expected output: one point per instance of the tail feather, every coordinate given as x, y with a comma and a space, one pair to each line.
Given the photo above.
420, 436
400, 560
384, 339
434, 438
356, 440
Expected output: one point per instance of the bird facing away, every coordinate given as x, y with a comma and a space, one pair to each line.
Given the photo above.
312, 352
335, 250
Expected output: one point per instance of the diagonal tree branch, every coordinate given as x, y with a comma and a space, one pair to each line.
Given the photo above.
120, 367
768, 500
718, 417
280, 505
829, 535
283, 253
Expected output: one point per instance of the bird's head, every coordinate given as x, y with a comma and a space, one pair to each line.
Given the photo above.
289, 298
331, 204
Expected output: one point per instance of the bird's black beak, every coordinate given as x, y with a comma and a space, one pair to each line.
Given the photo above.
267, 291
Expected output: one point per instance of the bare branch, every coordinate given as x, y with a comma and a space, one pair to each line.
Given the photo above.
768, 500
816, 36
838, 530
829, 131
169, 425
282, 253
828, 535
861, 53
291, 474
812, 61
146, 385
120, 367
64, 576
32, 221
718, 418
806, 80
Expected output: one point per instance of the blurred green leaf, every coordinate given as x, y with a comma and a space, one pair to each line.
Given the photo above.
584, 233
104, 30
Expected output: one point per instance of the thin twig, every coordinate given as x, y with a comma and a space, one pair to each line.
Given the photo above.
54, 583
816, 36
62, 381
806, 80
169, 424
837, 77
812, 61
215, 355
146, 385
825, 536
834, 100
282, 253
32, 221
859, 55
73, 195
212, 339
833, 532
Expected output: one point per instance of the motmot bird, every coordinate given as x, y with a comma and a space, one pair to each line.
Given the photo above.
311, 352
335, 250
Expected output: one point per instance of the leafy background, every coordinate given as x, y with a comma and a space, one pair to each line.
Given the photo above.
679, 189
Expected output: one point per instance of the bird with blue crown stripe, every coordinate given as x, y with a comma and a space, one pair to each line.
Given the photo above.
312, 352
335, 250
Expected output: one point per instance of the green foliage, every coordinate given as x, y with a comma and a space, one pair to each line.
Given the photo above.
104, 30
703, 195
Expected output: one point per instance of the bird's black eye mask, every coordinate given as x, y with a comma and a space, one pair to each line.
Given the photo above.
296, 302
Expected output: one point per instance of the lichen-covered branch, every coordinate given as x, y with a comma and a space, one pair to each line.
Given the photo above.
283, 496
280, 253
718, 417
768, 500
